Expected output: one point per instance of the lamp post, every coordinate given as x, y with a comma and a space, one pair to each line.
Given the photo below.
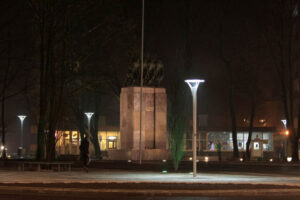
193, 84
286, 132
142, 82
89, 116
21, 117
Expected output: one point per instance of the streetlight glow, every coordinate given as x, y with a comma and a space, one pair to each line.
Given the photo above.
284, 121
193, 84
21, 117
89, 116
286, 132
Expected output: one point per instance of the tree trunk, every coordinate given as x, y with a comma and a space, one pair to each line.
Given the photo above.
94, 129
3, 125
42, 113
248, 155
50, 152
233, 123
40, 138
295, 154
5, 85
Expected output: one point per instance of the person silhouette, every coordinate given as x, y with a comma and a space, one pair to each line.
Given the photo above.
84, 152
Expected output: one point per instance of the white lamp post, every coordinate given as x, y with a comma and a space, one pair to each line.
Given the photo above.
286, 132
89, 116
194, 83
142, 82
21, 117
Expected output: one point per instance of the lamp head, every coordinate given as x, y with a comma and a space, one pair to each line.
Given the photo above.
22, 117
89, 114
284, 121
194, 83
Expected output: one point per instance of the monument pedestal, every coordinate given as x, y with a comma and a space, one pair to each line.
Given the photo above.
147, 154
154, 122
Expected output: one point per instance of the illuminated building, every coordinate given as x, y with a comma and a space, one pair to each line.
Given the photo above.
68, 141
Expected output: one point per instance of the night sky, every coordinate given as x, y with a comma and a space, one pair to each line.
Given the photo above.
185, 35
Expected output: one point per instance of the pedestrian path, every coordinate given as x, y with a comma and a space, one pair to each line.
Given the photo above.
107, 176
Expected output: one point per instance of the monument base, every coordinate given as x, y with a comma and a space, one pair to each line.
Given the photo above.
147, 154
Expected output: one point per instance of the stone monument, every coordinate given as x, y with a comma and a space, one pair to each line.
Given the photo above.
154, 122
154, 142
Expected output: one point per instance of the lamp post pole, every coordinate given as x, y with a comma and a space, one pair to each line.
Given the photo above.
89, 116
21, 117
142, 83
286, 132
193, 84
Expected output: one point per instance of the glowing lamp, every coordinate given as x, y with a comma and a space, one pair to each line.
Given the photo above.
284, 121
89, 116
287, 132
112, 137
205, 159
21, 117
193, 84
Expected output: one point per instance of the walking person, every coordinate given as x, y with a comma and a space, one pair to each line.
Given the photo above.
84, 152
218, 147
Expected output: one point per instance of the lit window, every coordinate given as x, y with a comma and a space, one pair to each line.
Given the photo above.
256, 145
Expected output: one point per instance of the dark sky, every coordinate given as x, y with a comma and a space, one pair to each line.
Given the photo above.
184, 34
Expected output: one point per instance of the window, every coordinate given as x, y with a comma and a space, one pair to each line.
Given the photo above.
109, 140
256, 145
225, 139
66, 136
112, 144
74, 138
267, 141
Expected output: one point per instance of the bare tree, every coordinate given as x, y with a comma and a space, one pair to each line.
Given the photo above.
282, 38
50, 18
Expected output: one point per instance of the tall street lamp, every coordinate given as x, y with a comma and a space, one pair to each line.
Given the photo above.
286, 132
194, 83
142, 82
21, 117
89, 116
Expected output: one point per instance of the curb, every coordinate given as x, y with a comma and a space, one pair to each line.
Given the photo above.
94, 193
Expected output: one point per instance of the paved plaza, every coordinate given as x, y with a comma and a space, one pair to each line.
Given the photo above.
106, 176
113, 184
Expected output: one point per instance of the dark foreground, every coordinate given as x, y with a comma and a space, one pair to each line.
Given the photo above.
133, 182
147, 191
14, 197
